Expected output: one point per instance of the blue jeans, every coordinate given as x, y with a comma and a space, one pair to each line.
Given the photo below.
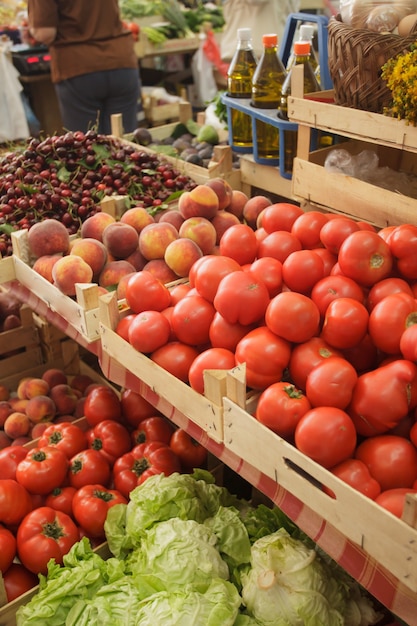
88, 101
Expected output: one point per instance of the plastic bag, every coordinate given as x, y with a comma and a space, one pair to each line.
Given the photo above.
13, 122
376, 16
202, 70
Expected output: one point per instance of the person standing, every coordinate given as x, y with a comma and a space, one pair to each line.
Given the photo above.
94, 67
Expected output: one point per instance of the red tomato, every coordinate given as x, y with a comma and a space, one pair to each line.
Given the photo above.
149, 331
15, 502
307, 355
179, 291
156, 428
335, 286
280, 216
408, 343
223, 334
331, 383
307, 228
241, 298
301, 270
17, 580
42, 469
345, 323
278, 245
60, 499
335, 231
269, 270
206, 274
329, 259
66, 436
364, 356
122, 327
326, 435
110, 438
365, 257
90, 506
210, 359
389, 319
239, 242
189, 451
134, 407
144, 292
393, 500
356, 474
403, 245
10, 457
265, 355
280, 408
176, 358
45, 534
102, 403
292, 316
144, 460
88, 467
191, 319
386, 287
7, 548
391, 460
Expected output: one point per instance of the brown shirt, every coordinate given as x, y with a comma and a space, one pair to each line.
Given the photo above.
90, 36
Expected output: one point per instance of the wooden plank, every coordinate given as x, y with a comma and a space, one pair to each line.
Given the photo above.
7, 271
263, 177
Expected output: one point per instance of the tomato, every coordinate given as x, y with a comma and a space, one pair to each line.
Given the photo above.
356, 474
331, 383
329, 259
269, 270
403, 245
45, 534
189, 451
206, 274
88, 467
307, 228
60, 499
156, 428
301, 270
223, 334
326, 435
305, 356
110, 438
386, 287
191, 319
280, 408
149, 331
292, 316
408, 343
178, 292
365, 257
393, 500
42, 469
335, 231
144, 460
123, 325
66, 436
176, 358
383, 397
389, 319
134, 407
278, 245
17, 580
265, 356
102, 403
241, 298
10, 457
335, 286
144, 292
391, 460
239, 242
280, 216
210, 359
90, 506
15, 502
363, 356
345, 323
8, 548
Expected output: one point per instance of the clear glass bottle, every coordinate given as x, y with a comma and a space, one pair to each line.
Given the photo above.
267, 82
302, 51
239, 85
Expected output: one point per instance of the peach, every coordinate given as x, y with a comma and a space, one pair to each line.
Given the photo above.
4, 393
54, 376
48, 237
201, 231
181, 254
113, 272
201, 201
38, 429
172, 216
93, 252
19, 404
94, 225
17, 425
36, 387
138, 217
21, 387
41, 409
69, 271
120, 239
5, 410
136, 259
253, 208
121, 286
223, 191
80, 382
44, 264
154, 239
161, 270
5, 441
239, 199
65, 398
222, 221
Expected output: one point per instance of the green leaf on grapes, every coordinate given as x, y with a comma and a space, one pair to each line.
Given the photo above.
63, 175
7, 229
101, 151
175, 195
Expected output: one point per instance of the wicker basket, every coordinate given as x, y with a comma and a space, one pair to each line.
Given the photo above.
356, 56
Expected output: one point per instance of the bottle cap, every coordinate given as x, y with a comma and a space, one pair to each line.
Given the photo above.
270, 40
302, 47
244, 34
306, 32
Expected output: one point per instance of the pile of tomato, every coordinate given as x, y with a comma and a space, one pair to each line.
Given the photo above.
53, 494
322, 311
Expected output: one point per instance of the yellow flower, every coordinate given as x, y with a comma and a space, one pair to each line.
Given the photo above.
400, 74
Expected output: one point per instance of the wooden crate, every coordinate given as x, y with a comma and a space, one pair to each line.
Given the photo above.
20, 348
